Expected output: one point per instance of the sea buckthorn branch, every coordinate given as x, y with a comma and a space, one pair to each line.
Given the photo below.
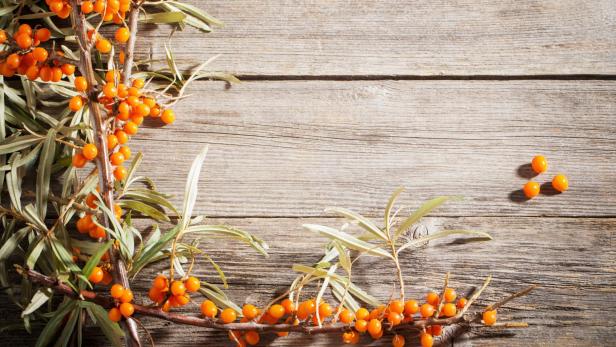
103, 164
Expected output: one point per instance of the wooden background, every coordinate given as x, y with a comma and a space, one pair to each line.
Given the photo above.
343, 101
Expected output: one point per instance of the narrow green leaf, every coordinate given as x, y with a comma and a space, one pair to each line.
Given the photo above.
422, 211
192, 185
144, 209
147, 256
163, 17
39, 299
43, 174
441, 234
7, 10
13, 181
112, 330
35, 252
362, 221
11, 244
50, 330
348, 302
17, 143
390, 205
219, 299
227, 231
343, 257
62, 255
221, 274
348, 240
63, 339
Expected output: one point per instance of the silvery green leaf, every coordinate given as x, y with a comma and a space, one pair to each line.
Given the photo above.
17, 143
7, 10
38, 299
343, 257
13, 181
422, 211
95, 258
32, 216
227, 231
35, 252
62, 255
153, 239
149, 196
163, 17
348, 302
348, 240
196, 12
63, 339
444, 233
25, 160
219, 299
132, 169
10, 245
148, 255
192, 185
221, 274
43, 174
50, 331
324, 285
390, 205
362, 221
144, 209
112, 330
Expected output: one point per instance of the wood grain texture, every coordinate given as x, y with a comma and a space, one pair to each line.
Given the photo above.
572, 259
401, 38
293, 148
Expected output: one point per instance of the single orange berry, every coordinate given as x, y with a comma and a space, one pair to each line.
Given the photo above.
192, 284
362, 313
89, 151
138, 83
450, 295
122, 35
168, 116
24, 40
127, 309
426, 340
81, 84
288, 305
178, 288
121, 57
25, 28
531, 189
112, 141
84, 224
209, 309
40, 54
560, 183
116, 291
426, 310
489, 317
96, 275
411, 307
156, 295
116, 158
303, 311
398, 341
160, 282
394, 318
250, 311
131, 128
396, 306
122, 136
76, 102
32, 73
361, 325
115, 315
252, 337
346, 316
461, 303
374, 327
539, 164
228, 315
111, 75
13, 60
79, 160
97, 232
43, 34
449, 309
56, 74
127, 296
68, 69
120, 173
3, 36
110, 90
103, 46
433, 299
87, 7
181, 300
91, 201
325, 310
276, 311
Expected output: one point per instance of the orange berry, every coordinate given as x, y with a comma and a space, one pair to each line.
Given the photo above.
209, 309
76, 102
168, 116
89, 151
24, 40
3, 36
68, 69
65, 12
288, 305
156, 295
96, 275
132, 91
450, 295
111, 75
112, 141
411, 307
115, 315
81, 84
350, 337
539, 164
377, 312
374, 327
426, 310
97, 232
84, 224
449, 309
398, 341
138, 83
305, 309
138, 120
436, 330
79, 160
116, 158
122, 136
120, 173
32, 73
560, 183
325, 310
25, 28
346, 316
13, 60
103, 46
122, 35
276, 311
426, 340
87, 7
56, 74
531, 189
178, 288
361, 325
432, 298
181, 300
110, 90
461, 303
396, 306
43, 34
154, 111
131, 128
489, 317
192, 284
40, 54
91, 201
252, 337
132, 100
127, 309
127, 296
107, 278
121, 57
56, 6
362, 313
160, 282
395, 318
228, 315
122, 91
116, 291
250, 311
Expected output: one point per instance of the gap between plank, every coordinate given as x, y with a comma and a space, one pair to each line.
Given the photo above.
573, 77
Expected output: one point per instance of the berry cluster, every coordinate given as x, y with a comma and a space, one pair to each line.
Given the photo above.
172, 293
100, 275
540, 165
87, 225
123, 297
25, 57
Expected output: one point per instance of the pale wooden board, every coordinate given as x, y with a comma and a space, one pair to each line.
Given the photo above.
401, 38
293, 148
572, 259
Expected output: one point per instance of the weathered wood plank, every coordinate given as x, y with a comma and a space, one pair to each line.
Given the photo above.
291, 148
399, 38
572, 259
